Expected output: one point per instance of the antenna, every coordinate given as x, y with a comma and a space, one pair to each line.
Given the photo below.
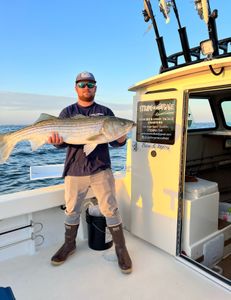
148, 14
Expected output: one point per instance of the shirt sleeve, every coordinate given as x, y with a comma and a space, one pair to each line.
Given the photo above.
64, 114
116, 144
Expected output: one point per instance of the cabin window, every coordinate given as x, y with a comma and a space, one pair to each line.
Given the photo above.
226, 108
200, 114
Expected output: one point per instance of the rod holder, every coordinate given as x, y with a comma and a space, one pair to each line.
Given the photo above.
212, 29
162, 52
185, 44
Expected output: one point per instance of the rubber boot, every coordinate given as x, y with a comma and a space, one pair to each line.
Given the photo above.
68, 247
124, 260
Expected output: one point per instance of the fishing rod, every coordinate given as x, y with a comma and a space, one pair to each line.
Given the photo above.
204, 11
182, 34
148, 14
212, 29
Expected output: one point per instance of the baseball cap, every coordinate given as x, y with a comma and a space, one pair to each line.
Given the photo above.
85, 76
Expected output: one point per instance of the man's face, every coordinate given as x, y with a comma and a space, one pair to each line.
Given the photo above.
86, 90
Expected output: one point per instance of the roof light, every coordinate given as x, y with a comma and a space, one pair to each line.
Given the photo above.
207, 48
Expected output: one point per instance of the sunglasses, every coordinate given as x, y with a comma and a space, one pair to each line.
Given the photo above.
82, 85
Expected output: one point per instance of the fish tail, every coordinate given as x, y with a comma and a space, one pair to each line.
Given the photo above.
7, 144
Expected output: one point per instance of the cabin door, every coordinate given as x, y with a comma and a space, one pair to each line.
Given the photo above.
156, 168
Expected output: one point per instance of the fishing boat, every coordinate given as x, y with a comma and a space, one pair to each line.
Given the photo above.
174, 198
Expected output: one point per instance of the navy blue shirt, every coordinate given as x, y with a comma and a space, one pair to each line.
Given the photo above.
77, 163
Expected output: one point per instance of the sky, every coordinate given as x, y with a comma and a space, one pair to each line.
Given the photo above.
46, 43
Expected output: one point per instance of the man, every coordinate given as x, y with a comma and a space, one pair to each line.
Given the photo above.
82, 172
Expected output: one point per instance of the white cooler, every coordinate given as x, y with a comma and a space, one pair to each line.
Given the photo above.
201, 206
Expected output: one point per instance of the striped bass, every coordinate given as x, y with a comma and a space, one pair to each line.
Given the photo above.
77, 130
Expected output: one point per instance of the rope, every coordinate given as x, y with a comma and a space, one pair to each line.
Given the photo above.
214, 72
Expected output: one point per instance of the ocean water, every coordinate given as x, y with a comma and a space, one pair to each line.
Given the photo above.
15, 172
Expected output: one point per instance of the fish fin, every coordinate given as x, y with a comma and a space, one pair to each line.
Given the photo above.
88, 148
6, 146
95, 137
44, 117
35, 144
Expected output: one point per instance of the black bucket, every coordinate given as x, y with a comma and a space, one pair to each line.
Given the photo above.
98, 237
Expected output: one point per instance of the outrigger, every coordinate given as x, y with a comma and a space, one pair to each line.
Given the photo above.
175, 198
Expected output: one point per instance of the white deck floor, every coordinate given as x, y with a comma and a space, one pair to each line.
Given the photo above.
88, 275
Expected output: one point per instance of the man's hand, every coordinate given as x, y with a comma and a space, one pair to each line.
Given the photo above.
122, 139
55, 139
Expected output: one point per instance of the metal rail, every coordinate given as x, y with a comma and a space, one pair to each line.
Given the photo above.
224, 48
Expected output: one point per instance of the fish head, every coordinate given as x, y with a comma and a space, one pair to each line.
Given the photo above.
114, 127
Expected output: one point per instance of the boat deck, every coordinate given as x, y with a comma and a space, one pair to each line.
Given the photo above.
93, 275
